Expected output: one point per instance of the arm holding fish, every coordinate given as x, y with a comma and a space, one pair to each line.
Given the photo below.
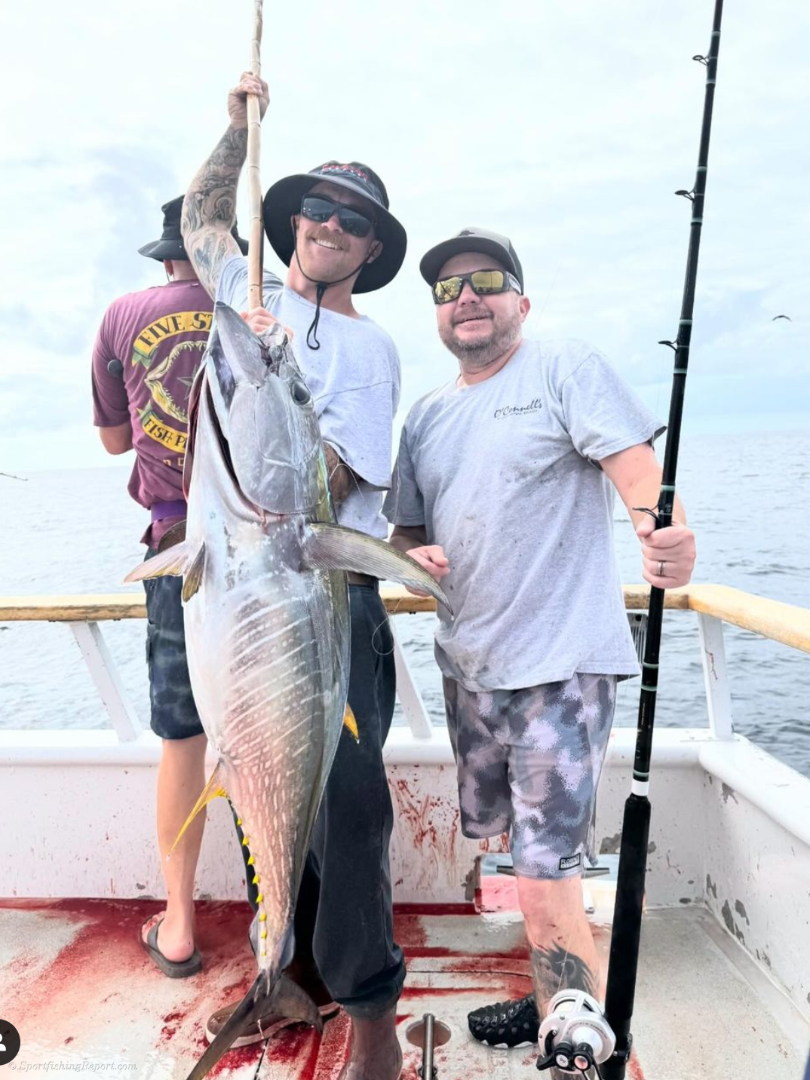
412, 540
341, 478
209, 208
636, 475
405, 508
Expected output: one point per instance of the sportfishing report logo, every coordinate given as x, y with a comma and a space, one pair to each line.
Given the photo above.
148, 350
519, 410
9, 1042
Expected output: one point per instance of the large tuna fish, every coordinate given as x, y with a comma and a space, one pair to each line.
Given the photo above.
267, 623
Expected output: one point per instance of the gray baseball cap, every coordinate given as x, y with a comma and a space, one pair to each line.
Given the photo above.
471, 239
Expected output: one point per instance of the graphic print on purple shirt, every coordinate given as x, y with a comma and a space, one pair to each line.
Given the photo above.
159, 336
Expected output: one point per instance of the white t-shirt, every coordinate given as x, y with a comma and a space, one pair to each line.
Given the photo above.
503, 475
354, 378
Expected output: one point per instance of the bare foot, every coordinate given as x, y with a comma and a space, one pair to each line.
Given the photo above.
176, 943
375, 1053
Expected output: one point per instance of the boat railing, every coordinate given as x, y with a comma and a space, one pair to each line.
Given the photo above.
714, 605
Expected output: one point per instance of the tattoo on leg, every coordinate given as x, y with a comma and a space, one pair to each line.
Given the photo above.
554, 969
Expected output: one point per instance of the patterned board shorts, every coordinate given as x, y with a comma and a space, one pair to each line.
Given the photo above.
529, 763
174, 714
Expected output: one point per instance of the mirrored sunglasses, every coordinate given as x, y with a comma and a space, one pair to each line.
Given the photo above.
482, 283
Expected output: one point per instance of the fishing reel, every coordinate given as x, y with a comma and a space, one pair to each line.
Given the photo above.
575, 1036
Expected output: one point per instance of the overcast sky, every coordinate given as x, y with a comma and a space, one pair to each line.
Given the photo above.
566, 124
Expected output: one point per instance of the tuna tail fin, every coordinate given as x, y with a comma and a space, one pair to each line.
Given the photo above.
267, 1001
212, 790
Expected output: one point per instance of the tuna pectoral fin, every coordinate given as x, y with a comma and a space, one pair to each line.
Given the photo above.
333, 547
263, 1006
194, 575
170, 563
181, 560
212, 790
350, 723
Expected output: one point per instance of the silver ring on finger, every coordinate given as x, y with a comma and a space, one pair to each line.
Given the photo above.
661, 568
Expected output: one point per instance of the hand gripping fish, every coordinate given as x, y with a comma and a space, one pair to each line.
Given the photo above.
267, 624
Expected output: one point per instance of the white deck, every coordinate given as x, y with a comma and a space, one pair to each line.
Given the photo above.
724, 978
84, 996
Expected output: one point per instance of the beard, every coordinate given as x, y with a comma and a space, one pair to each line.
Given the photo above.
505, 330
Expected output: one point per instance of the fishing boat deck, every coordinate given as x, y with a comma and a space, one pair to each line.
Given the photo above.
85, 997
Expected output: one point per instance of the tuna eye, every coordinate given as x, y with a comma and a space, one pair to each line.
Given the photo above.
300, 392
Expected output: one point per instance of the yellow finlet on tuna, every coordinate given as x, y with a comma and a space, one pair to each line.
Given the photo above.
350, 723
212, 790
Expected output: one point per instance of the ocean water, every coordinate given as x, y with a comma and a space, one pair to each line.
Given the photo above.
77, 531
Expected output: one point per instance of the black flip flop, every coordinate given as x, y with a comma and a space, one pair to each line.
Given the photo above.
174, 969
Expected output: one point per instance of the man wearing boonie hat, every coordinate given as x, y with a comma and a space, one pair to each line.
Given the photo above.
148, 348
503, 490
332, 228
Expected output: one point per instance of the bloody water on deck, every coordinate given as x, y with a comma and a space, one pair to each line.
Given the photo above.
84, 994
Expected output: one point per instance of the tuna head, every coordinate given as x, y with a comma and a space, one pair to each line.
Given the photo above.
266, 414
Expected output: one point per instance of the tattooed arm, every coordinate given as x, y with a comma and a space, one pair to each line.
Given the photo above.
209, 208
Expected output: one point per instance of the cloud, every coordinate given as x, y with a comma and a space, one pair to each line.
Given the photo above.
567, 126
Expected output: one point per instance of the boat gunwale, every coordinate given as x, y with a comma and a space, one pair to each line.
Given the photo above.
788, 624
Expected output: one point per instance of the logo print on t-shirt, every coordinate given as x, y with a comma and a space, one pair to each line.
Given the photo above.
150, 350
519, 410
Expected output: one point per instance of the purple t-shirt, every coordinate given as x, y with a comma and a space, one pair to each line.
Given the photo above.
159, 336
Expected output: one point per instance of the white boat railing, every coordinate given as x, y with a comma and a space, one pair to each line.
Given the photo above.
714, 606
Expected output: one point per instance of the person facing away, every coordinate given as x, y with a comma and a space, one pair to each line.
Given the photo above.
148, 348
333, 230
503, 488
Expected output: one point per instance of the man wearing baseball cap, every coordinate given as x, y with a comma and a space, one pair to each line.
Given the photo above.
333, 230
503, 490
147, 350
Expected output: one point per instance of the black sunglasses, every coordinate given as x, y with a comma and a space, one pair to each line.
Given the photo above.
482, 283
319, 208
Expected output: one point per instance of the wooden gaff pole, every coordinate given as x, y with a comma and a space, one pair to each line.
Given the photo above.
256, 234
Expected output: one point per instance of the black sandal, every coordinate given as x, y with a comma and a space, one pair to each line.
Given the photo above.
175, 969
507, 1024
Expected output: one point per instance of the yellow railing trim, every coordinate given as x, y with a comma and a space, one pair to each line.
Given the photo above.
772, 619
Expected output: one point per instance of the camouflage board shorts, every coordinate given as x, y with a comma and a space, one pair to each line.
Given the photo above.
529, 763
174, 714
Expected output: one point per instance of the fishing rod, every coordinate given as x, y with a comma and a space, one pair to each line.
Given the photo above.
624, 947
576, 1036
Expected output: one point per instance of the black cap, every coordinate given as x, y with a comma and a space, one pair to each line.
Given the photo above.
283, 200
170, 245
471, 239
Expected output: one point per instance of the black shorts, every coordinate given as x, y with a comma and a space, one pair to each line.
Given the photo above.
174, 714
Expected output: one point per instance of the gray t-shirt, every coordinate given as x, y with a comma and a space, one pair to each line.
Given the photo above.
503, 475
354, 378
